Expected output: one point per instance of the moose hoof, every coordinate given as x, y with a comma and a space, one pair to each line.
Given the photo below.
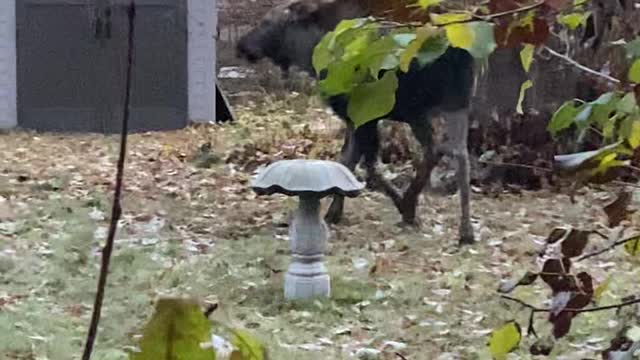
466, 237
413, 223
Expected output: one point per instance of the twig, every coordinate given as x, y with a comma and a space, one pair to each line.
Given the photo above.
634, 168
580, 66
400, 356
512, 12
116, 209
610, 247
524, 304
624, 183
530, 328
472, 17
576, 311
532, 167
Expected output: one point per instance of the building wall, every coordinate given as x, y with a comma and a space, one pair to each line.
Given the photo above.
202, 61
8, 106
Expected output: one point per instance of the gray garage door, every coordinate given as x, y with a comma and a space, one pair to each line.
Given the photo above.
72, 65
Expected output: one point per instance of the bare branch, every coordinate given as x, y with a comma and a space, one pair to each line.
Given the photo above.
116, 209
610, 247
576, 311
532, 167
580, 66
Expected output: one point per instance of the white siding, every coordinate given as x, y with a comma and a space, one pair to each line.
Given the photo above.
202, 60
8, 107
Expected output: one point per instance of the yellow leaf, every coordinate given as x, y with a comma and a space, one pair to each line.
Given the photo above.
426, 3
526, 56
175, 331
634, 72
504, 340
443, 19
600, 289
634, 136
632, 247
460, 35
523, 89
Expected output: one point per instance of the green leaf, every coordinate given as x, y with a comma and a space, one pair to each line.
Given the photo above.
633, 48
525, 85
574, 20
427, 3
634, 72
341, 77
480, 44
432, 49
372, 100
382, 56
526, 56
448, 18
627, 104
248, 347
175, 331
632, 247
604, 99
422, 34
349, 24
357, 45
322, 55
563, 117
404, 39
504, 340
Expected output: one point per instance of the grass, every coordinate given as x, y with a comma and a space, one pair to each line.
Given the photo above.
192, 226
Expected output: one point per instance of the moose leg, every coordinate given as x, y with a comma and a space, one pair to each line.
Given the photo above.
457, 131
350, 155
367, 141
423, 132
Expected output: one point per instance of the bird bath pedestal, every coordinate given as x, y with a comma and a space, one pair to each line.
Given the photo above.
307, 275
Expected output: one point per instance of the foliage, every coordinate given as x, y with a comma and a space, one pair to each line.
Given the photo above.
356, 60
359, 57
571, 293
504, 340
177, 330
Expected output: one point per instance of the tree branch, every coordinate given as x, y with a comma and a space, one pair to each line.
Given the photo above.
580, 66
511, 12
610, 247
116, 209
577, 311
472, 17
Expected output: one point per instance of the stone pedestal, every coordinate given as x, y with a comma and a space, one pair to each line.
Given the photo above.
307, 276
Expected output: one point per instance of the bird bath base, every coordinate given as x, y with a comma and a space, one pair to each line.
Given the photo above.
304, 281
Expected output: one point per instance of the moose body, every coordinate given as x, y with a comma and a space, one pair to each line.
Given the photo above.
287, 36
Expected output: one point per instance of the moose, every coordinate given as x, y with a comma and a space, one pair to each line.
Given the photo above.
287, 35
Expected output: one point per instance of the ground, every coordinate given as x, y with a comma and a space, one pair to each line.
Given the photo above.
193, 227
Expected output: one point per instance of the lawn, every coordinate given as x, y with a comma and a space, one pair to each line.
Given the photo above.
192, 227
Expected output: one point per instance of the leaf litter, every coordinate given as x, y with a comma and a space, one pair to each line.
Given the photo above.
192, 227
